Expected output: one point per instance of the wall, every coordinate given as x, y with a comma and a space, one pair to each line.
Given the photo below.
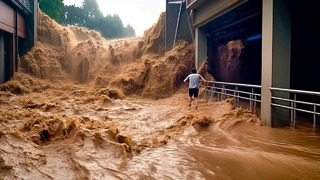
177, 25
18, 29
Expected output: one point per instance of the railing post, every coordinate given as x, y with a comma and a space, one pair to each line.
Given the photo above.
238, 97
207, 93
294, 110
254, 101
223, 94
213, 90
218, 94
251, 97
234, 97
314, 118
291, 124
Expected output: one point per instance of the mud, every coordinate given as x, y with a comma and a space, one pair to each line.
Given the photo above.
83, 107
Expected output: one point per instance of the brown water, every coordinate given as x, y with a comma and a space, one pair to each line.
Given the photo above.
82, 107
155, 139
249, 153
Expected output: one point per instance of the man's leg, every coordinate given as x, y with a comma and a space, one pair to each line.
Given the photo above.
196, 99
190, 95
196, 93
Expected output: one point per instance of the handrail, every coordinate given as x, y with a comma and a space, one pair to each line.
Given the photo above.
223, 92
235, 84
293, 104
296, 91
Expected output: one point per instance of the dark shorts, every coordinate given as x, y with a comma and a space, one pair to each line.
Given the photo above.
193, 92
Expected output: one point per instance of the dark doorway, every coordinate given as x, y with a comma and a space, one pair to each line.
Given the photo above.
6, 62
304, 55
234, 44
305, 45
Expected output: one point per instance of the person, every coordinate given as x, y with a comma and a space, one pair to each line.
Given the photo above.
193, 81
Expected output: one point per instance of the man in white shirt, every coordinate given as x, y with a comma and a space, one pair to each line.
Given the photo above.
193, 80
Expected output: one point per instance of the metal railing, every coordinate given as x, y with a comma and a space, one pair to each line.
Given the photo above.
222, 90
292, 103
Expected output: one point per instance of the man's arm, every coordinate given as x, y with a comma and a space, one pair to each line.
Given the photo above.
203, 79
186, 79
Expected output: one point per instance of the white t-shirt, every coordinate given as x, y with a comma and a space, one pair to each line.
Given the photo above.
194, 80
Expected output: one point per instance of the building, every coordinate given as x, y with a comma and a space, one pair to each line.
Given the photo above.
280, 50
18, 33
178, 25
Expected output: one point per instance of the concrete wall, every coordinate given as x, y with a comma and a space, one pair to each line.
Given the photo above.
177, 25
185, 30
276, 45
281, 58
172, 11
212, 9
201, 46
6, 17
31, 30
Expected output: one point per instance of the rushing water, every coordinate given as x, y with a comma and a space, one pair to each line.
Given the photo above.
174, 145
243, 152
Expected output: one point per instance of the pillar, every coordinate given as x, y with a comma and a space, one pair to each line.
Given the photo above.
201, 46
276, 54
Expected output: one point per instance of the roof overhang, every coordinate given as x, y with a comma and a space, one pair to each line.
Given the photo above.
207, 10
23, 5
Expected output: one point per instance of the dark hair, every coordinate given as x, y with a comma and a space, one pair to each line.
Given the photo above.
194, 70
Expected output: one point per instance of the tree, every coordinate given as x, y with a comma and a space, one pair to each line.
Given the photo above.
53, 8
111, 26
129, 31
91, 8
90, 16
73, 15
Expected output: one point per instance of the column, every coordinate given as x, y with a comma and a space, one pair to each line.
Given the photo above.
276, 57
201, 46
266, 76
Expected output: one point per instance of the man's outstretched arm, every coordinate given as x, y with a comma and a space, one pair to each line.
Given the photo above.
203, 79
185, 79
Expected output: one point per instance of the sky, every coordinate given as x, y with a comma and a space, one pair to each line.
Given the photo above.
140, 14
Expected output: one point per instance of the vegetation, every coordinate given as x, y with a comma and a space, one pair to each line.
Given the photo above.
52, 8
89, 16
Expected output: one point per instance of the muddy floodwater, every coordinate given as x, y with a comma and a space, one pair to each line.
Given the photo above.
244, 152
64, 135
83, 107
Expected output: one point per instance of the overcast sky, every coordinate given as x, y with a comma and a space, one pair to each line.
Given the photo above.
140, 14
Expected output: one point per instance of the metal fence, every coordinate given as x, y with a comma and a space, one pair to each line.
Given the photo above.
223, 90
252, 94
291, 102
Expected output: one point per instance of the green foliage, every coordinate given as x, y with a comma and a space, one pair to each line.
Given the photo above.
91, 9
90, 16
129, 31
111, 26
73, 15
53, 8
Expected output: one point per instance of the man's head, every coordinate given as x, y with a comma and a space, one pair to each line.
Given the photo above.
194, 70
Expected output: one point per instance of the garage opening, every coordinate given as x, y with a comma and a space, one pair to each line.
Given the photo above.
234, 44
5, 56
